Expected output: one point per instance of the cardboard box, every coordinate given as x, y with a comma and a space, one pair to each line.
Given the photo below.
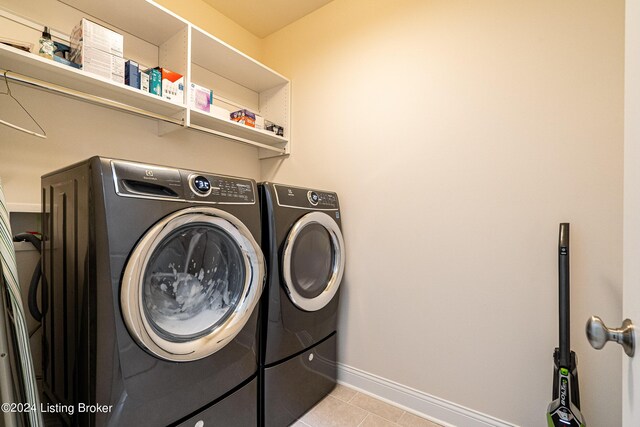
132, 74
200, 98
272, 127
244, 117
103, 64
144, 81
155, 81
65, 61
88, 34
172, 85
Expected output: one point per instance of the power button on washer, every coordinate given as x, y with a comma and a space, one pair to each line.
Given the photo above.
313, 198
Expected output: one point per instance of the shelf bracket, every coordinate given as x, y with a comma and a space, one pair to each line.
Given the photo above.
165, 128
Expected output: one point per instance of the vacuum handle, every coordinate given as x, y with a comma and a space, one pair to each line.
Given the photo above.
564, 294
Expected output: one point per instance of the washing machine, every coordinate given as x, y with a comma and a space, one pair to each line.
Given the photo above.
305, 254
153, 275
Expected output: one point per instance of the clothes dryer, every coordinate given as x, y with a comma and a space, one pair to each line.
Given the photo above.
305, 253
153, 276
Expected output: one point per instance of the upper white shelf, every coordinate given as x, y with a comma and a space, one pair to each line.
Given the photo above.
226, 61
144, 19
62, 75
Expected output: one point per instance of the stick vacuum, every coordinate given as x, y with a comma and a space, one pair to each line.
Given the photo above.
564, 409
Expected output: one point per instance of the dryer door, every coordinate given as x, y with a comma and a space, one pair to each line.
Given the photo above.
313, 261
191, 284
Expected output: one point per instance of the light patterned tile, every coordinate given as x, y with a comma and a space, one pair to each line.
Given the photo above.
378, 407
343, 393
373, 420
332, 412
410, 420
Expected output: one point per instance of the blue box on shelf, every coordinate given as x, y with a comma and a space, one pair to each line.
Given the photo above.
132, 74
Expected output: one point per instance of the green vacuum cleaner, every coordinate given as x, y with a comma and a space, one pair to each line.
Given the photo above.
564, 409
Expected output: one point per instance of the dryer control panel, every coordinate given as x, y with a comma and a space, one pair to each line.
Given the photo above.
158, 182
297, 197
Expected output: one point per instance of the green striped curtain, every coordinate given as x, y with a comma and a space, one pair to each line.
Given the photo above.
10, 273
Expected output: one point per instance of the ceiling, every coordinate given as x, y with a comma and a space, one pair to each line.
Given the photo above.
263, 17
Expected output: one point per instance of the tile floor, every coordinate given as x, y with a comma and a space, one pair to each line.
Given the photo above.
346, 407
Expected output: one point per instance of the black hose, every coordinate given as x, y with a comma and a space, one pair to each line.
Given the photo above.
33, 293
28, 237
32, 300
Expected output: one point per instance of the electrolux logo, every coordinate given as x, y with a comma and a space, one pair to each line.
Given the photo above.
149, 175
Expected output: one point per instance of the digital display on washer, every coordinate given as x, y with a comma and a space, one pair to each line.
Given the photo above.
201, 184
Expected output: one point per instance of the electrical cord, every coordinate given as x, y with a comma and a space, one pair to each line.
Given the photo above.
32, 300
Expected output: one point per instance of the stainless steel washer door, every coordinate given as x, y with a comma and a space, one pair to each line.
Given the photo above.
191, 284
313, 261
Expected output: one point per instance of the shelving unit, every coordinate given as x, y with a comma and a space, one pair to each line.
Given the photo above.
242, 79
237, 80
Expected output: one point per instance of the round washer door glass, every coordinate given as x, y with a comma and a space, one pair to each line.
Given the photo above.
191, 284
313, 261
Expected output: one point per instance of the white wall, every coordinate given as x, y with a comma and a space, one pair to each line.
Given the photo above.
78, 130
458, 135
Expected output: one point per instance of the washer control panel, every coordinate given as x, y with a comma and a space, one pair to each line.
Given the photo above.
220, 189
305, 198
158, 182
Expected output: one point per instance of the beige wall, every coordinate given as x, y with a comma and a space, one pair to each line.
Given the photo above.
458, 135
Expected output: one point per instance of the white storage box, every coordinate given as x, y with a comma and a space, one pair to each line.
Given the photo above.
103, 64
88, 34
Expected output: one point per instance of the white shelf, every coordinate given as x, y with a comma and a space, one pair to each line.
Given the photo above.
24, 207
223, 60
71, 78
236, 129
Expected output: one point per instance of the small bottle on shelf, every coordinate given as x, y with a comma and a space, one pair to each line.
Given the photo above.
46, 44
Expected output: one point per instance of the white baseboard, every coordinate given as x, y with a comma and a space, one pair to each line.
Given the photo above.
433, 408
